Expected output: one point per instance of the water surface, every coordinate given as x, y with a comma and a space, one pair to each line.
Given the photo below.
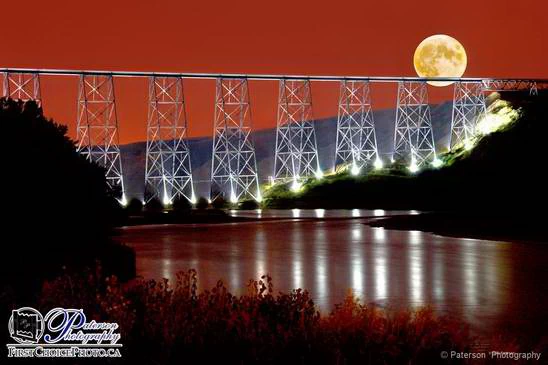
491, 284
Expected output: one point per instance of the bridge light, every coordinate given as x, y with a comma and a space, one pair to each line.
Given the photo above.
378, 164
259, 198
233, 197
193, 199
437, 163
355, 170
468, 144
123, 200
296, 185
318, 174
166, 200
413, 167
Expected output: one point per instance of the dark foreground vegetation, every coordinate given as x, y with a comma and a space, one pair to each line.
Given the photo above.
178, 324
58, 209
502, 179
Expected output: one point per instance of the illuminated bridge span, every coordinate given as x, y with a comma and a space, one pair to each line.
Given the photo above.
168, 174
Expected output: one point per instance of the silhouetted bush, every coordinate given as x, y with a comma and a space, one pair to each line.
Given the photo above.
134, 207
153, 206
249, 205
202, 203
181, 205
219, 203
166, 324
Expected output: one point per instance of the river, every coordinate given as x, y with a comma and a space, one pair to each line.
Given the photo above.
490, 284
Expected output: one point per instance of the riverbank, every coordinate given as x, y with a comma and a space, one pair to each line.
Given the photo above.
450, 224
195, 216
527, 228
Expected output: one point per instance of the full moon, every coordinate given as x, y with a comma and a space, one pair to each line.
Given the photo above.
440, 56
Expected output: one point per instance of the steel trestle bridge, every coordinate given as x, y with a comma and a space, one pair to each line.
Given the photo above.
234, 175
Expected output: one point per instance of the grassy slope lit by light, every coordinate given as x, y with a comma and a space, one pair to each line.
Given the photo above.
509, 142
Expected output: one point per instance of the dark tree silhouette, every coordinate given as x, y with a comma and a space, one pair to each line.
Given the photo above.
154, 206
249, 205
181, 206
219, 203
134, 207
202, 203
58, 209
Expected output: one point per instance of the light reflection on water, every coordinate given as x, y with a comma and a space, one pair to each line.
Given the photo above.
316, 213
320, 256
439, 273
378, 212
320, 213
357, 261
416, 268
297, 257
478, 279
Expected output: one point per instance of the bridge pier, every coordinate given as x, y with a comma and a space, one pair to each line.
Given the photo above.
356, 143
533, 90
97, 127
22, 86
468, 108
233, 165
168, 173
296, 149
413, 135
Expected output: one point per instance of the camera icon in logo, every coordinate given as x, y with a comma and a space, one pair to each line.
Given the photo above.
26, 325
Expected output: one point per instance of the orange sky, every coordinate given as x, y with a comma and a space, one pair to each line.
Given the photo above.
505, 38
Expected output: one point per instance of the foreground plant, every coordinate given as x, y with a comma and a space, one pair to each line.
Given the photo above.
166, 324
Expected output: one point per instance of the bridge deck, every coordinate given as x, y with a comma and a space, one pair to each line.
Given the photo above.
67, 72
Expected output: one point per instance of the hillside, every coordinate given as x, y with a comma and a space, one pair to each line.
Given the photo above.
133, 155
502, 174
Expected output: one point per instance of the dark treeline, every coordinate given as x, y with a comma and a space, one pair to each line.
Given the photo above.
58, 209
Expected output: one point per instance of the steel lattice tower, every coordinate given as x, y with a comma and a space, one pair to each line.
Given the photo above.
168, 173
296, 149
97, 127
533, 91
468, 108
22, 86
356, 140
413, 136
233, 166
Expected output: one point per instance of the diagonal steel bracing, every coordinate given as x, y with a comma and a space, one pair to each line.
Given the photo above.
168, 174
413, 136
22, 86
356, 143
514, 85
97, 128
233, 166
296, 149
468, 108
